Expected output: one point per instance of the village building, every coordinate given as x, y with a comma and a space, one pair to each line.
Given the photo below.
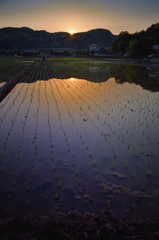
156, 49
97, 50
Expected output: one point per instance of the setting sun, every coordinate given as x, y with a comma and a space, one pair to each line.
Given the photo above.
71, 32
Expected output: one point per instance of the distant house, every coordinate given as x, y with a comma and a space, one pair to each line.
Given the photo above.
97, 50
156, 49
154, 57
30, 52
56, 52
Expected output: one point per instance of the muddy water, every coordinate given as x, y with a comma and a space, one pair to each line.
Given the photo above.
80, 145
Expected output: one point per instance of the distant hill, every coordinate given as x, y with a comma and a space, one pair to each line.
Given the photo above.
21, 38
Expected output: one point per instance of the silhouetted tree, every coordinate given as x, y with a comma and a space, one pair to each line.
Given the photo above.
140, 48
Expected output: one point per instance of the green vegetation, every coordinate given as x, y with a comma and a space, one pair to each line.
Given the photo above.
137, 45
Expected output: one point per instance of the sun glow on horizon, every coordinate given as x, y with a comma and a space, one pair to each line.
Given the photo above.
71, 32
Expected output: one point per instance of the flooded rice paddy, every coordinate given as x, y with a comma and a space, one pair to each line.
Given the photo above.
87, 140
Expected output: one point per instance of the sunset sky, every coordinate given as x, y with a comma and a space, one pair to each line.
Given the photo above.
80, 15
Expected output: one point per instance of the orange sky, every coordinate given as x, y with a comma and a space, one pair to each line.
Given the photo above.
79, 16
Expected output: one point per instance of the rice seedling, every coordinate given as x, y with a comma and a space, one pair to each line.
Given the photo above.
14, 184
74, 163
119, 176
134, 176
93, 163
7, 211
97, 178
28, 203
126, 163
112, 166
56, 194
86, 201
91, 154
143, 187
59, 184
77, 171
28, 188
54, 168
133, 206
104, 190
79, 181
108, 203
151, 205
32, 175
9, 197
124, 189
56, 176
149, 173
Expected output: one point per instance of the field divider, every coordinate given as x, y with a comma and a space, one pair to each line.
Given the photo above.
8, 86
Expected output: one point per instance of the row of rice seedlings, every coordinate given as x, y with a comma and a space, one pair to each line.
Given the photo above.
89, 152
32, 88
59, 183
18, 109
72, 156
129, 123
128, 144
60, 72
8, 71
20, 139
12, 94
34, 139
24, 129
10, 105
12, 70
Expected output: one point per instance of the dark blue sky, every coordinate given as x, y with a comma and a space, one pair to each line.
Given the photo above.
80, 15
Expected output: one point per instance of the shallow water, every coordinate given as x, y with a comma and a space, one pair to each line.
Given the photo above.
81, 145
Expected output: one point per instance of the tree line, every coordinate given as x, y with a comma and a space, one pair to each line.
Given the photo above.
137, 45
